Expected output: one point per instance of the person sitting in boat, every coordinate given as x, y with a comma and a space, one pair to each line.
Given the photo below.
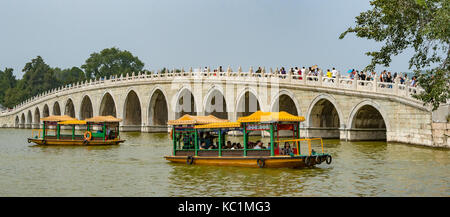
286, 150
258, 145
228, 146
233, 146
201, 138
108, 133
203, 145
212, 146
239, 146
186, 142
251, 145
262, 146
208, 139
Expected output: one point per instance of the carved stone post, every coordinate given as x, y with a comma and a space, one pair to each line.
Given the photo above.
320, 78
337, 80
396, 81
375, 84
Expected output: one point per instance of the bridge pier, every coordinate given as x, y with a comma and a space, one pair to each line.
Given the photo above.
156, 129
363, 134
323, 132
130, 128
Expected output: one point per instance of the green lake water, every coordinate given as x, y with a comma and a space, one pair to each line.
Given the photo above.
137, 168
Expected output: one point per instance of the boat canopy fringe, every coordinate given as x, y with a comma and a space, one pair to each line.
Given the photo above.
219, 125
72, 122
194, 120
58, 118
269, 117
103, 119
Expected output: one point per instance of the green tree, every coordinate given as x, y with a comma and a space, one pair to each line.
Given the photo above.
38, 77
70, 75
423, 25
7, 81
111, 61
16, 95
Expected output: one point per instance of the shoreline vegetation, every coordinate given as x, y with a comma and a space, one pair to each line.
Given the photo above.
39, 76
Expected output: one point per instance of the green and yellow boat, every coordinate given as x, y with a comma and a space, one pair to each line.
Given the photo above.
99, 130
189, 142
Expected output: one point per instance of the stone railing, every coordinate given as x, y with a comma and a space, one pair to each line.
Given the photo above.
340, 82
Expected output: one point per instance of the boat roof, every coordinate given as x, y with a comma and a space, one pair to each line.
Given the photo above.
269, 117
58, 118
194, 120
219, 125
102, 119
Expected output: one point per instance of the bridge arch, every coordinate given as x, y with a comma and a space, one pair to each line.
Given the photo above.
56, 108
158, 109
108, 105
86, 108
367, 121
22, 120
29, 119
132, 115
215, 103
247, 102
36, 118
285, 101
185, 103
324, 117
16, 122
45, 111
69, 108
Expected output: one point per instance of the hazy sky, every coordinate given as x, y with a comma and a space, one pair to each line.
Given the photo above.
186, 33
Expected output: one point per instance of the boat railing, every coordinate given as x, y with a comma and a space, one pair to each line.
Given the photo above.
36, 132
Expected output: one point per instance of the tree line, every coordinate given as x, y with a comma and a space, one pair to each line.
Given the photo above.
39, 76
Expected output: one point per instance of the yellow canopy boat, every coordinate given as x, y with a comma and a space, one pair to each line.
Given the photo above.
99, 130
193, 142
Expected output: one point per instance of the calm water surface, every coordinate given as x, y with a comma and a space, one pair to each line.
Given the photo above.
137, 168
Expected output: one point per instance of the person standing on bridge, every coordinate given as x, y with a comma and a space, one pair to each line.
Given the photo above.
258, 72
334, 73
413, 81
283, 72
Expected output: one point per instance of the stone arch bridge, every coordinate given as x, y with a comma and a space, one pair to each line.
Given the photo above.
333, 107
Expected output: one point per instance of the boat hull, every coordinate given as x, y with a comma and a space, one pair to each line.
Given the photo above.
269, 162
59, 142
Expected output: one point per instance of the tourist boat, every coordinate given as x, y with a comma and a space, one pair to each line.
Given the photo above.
186, 134
99, 130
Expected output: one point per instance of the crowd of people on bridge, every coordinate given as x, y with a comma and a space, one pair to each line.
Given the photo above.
314, 71
385, 77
